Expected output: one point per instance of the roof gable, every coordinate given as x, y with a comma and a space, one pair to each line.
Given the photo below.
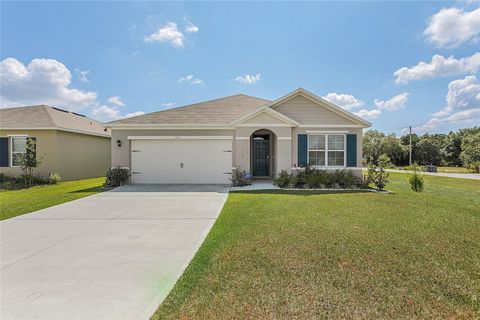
304, 113
265, 116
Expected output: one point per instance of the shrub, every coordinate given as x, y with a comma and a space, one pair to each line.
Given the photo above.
241, 178
311, 178
54, 178
7, 182
416, 180
282, 180
117, 176
474, 167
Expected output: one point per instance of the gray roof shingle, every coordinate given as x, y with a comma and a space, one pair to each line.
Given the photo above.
46, 117
220, 111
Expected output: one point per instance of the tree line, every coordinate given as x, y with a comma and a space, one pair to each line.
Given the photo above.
457, 148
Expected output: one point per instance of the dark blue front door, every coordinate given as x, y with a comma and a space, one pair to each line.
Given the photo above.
261, 158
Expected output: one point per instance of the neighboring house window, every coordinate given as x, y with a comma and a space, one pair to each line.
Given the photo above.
326, 150
19, 146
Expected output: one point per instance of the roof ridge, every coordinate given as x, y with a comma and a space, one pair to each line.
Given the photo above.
48, 109
206, 101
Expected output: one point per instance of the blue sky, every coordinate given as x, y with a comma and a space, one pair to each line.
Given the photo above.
114, 59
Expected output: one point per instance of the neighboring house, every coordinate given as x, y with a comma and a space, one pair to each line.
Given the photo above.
71, 144
202, 142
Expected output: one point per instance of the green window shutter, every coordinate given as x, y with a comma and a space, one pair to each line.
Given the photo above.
351, 150
302, 150
4, 161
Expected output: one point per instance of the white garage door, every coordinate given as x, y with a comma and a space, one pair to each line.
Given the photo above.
182, 160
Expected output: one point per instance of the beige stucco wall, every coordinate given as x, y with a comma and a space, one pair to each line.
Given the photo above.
46, 149
71, 155
82, 156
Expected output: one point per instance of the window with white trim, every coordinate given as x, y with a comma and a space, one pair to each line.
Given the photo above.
326, 150
19, 148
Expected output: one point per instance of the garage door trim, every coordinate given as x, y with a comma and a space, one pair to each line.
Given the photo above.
180, 137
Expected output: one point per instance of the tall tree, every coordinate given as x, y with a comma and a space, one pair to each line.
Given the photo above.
470, 149
372, 145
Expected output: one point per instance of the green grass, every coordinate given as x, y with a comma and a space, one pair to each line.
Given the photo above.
302, 255
17, 202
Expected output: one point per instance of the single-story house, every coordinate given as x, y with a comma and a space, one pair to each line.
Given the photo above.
203, 142
68, 143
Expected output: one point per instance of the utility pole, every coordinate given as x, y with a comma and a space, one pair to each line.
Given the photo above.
410, 161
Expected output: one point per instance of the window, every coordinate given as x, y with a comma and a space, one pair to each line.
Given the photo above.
336, 150
326, 150
316, 150
19, 146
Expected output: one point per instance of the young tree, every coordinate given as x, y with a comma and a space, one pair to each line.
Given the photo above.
29, 160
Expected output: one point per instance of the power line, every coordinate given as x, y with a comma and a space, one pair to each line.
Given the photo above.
438, 123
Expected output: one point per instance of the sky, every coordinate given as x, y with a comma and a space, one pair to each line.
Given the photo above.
396, 64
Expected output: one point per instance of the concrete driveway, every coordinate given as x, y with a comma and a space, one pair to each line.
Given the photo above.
114, 255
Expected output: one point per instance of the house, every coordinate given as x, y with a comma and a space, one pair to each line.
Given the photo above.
69, 143
202, 142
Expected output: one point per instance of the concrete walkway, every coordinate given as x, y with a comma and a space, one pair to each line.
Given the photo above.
474, 176
114, 255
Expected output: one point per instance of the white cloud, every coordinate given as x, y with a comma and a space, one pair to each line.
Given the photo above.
134, 114
169, 33
463, 104
368, 114
451, 27
104, 112
346, 101
42, 81
168, 104
190, 79
190, 28
115, 100
396, 103
108, 113
82, 75
439, 67
248, 79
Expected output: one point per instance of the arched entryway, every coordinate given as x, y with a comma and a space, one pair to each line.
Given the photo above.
262, 151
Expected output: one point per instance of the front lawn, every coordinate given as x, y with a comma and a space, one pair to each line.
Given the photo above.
301, 255
17, 202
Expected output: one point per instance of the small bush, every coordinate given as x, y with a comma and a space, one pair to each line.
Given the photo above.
14, 183
54, 178
311, 178
416, 180
117, 176
241, 178
282, 180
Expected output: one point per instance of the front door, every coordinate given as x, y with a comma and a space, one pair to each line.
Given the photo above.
261, 158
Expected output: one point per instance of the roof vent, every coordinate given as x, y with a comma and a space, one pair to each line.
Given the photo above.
78, 114
61, 110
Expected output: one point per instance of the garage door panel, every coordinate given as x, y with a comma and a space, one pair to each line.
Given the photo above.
181, 161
